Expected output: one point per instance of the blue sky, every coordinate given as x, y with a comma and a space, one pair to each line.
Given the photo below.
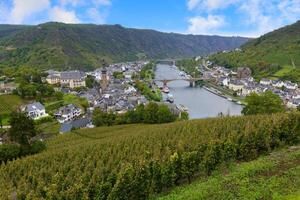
212, 17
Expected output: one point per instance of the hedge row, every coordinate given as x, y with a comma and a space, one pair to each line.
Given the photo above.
13, 151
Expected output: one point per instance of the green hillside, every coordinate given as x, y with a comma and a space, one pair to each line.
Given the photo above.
62, 46
270, 177
274, 54
136, 161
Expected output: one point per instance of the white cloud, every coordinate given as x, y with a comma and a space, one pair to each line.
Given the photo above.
95, 16
22, 9
249, 17
210, 4
59, 14
192, 4
202, 25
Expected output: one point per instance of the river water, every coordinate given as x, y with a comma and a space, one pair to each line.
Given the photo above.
200, 102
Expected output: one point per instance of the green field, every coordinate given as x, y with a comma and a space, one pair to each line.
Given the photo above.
276, 176
9, 103
136, 161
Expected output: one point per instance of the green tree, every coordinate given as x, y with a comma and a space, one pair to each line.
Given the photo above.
164, 115
22, 128
265, 103
150, 115
90, 81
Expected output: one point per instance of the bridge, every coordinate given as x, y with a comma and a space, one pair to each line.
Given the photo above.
192, 81
166, 62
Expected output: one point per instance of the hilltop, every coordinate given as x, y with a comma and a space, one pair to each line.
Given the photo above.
275, 54
83, 46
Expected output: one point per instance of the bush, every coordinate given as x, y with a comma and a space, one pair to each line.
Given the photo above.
9, 152
37, 146
43, 120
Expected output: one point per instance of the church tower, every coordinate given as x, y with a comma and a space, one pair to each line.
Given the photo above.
104, 76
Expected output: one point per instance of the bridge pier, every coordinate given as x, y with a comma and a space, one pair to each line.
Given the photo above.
192, 83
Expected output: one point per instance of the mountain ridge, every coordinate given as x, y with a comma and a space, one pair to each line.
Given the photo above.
275, 54
57, 45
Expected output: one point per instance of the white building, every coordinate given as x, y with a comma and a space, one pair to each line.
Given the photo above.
35, 110
68, 113
265, 81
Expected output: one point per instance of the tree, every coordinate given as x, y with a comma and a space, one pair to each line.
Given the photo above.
90, 81
22, 128
101, 118
164, 115
265, 103
151, 113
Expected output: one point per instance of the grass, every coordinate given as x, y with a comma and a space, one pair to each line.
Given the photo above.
73, 99
49, 128
8, 103
270, 177
284, 71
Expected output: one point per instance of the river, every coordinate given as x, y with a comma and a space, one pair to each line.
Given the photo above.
200, 102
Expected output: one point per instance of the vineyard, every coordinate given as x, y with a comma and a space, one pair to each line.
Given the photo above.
8, 103
137, 161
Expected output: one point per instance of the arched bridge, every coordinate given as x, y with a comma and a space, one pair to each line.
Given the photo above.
192, 81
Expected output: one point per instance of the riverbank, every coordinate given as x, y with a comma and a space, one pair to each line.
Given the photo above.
223, 92
201, 102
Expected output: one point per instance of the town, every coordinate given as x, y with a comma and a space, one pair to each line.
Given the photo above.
241, 83
112, 88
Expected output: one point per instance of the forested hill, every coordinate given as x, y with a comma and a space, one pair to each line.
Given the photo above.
58, 45
274, 54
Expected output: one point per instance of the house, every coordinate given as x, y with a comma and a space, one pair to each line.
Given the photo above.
129, 90
293, 103
265, 81
35, 110
236, 85
79, 123
248, 90
224, 81
53, 79
278, 84
73, 79
290, 86
67, 113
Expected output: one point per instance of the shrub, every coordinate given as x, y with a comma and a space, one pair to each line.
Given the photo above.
37, 146
9, 152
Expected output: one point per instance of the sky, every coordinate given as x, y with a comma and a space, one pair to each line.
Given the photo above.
250, 18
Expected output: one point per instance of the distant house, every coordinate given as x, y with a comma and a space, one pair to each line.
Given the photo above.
224, 81
53, 79
79, 123
35, 110
265, 81
248, 90
73, 79
291, 86
67, 113
293, 103
278, 84
236, 85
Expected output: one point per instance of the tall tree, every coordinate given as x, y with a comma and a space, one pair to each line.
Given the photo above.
265, 103
22, 128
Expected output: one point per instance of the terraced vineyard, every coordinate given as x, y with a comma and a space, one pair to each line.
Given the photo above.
270, 177
9, 103
137, 161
